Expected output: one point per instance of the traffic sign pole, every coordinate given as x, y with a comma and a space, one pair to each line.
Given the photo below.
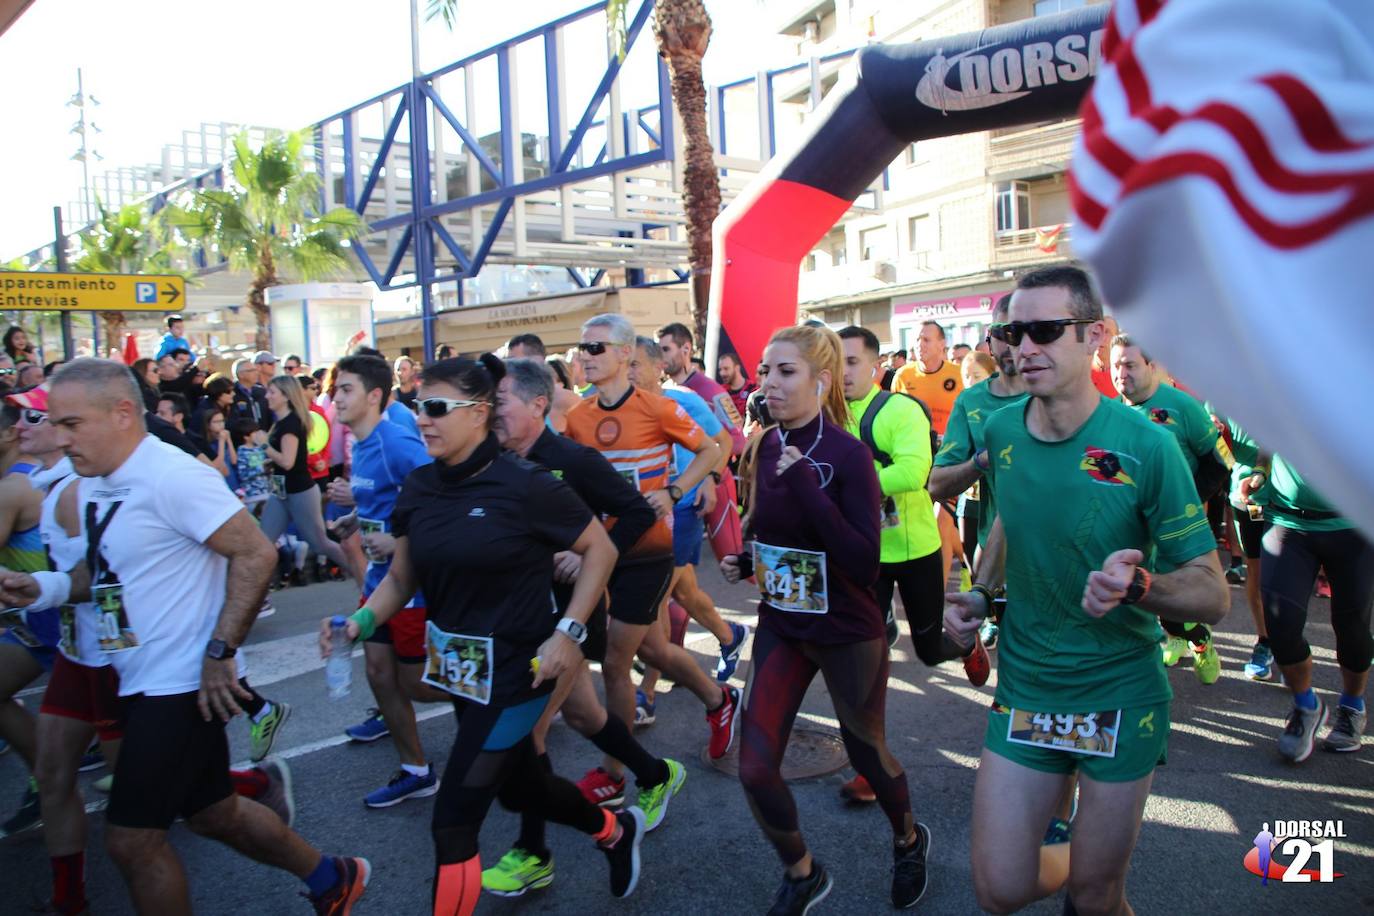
60, 249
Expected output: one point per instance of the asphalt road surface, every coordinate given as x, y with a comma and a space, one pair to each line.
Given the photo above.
1223, 780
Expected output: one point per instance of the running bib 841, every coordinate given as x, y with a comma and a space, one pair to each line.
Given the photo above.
791, 579
458, 664
1092, 733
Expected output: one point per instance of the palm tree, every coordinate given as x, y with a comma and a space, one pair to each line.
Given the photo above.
683, 31
268, 220
126, 241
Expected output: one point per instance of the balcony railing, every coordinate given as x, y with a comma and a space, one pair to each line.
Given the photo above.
1029, 152
1039, 245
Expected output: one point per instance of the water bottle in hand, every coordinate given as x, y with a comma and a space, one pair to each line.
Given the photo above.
338, 668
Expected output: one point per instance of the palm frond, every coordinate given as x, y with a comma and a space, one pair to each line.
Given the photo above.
442, 9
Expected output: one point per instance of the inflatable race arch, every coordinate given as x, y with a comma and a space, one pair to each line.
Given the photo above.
1032, 70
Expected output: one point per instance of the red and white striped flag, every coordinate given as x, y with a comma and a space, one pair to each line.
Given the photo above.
1224, 186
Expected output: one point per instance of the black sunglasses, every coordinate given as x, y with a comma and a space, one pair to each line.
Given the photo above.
594, 347
436, 408
1040, 332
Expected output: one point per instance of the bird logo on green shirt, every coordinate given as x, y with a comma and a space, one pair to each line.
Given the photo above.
1104, 466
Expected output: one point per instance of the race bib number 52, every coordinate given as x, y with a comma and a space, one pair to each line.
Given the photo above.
458, 664
1092, 733
791, 579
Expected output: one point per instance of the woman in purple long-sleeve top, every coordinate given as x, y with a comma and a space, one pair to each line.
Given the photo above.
815, 526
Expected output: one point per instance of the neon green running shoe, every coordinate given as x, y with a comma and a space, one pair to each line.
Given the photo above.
1174, 650
517, 872
263, 733
1206, 663
654, 802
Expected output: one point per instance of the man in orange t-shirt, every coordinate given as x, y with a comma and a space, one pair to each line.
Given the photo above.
635, 431
930, 377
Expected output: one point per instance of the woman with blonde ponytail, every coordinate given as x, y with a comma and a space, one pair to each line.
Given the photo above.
814, 553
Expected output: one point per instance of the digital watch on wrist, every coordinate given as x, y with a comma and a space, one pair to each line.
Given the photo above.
573, 630
219, 650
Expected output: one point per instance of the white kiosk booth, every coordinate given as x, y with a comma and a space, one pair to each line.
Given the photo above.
316, 320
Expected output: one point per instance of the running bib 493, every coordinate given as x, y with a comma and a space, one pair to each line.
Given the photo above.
1092, 733
114, 632
791, 579
458, 664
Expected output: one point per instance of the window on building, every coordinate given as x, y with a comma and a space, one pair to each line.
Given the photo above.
923, 238
1050, 7
810, 263
1013, 207
874, 244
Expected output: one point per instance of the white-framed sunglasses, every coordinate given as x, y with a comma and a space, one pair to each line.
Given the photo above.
435, 408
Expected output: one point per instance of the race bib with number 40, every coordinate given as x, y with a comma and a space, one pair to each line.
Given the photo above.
459, 664
1092, 733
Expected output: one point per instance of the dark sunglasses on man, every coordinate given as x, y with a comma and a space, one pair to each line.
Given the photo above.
593, 347
1040, 332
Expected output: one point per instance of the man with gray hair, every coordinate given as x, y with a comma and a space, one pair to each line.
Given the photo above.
172, 595
635, 431
250, 400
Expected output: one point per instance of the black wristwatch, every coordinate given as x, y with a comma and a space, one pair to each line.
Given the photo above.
675, 493
219, 650
715, 475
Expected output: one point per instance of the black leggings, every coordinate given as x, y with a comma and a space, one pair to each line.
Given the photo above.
1249, 531
856, 676
482, 767
968, 529
922, 584
1288, 572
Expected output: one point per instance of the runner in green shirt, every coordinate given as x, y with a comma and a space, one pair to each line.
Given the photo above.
1308, 534
1085, 490
1141, 386
958, 465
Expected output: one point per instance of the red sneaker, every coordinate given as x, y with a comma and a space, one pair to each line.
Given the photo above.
724, 722
976, 664
858, 790
601, 788
353, 877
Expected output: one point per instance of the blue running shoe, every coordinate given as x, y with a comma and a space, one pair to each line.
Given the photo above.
1261, 663
402, 786
644, 710
370, 729
729, 655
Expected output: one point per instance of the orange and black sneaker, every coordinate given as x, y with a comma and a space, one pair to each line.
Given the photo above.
353, 877
858, 790
977, 665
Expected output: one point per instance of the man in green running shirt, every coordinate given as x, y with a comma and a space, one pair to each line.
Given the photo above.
1139, 381
1086, 490
961, 460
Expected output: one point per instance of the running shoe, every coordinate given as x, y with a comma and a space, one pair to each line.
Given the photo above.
909, 876
1059, 831
104, 784
262, 733
278, 795
267, 609
977, 665
796, 898
370, 729
1174, 650
29, 814
724, 723
729, 655
623, 854
1260, 665
1323, 587
516, 873
654, 801
1206, 663
402, 786
1300, 734
644, 710
859, 791
601, 788
1347, 732
1236, 575
354, 873
94, 759
988, 633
